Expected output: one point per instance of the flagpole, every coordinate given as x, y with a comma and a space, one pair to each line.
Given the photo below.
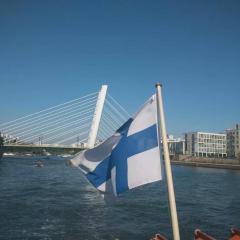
162, 132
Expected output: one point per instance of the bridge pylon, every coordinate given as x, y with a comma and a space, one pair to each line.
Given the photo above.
97, 117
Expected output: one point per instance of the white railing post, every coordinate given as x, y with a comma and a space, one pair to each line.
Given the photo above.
97, 117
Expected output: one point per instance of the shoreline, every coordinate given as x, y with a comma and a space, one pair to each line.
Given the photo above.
183, 162
207, 165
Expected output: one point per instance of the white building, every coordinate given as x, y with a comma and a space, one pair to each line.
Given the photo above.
176, 145
233, 141
205, 144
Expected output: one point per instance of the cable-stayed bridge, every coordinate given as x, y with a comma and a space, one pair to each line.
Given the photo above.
82, 122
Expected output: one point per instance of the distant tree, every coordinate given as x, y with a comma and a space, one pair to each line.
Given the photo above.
1, 141
1, 146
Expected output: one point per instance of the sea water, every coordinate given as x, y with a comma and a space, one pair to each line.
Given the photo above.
56, 202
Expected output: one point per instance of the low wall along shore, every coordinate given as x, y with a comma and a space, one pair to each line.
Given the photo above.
187, 160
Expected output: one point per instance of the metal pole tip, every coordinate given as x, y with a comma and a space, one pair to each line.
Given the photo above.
158, 85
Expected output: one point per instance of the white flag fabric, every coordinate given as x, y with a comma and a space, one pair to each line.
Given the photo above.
128, 159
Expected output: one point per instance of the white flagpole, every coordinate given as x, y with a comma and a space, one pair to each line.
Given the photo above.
162, 132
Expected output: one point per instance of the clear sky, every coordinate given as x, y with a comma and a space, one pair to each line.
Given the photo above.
54, 51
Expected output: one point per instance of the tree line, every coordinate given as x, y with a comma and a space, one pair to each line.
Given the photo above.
1, 146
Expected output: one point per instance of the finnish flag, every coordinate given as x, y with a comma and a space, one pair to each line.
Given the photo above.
128, 159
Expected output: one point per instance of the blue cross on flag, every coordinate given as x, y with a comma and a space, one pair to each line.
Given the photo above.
128, 159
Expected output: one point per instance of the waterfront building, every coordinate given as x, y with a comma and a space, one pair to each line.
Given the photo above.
176, 145
233, 141
203, 144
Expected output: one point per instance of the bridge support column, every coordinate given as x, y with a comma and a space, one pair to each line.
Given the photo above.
97, 117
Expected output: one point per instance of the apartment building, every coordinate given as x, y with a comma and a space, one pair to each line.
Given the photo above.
204, 144
233, 141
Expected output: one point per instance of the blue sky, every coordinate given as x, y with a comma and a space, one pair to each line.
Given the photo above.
54, 51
